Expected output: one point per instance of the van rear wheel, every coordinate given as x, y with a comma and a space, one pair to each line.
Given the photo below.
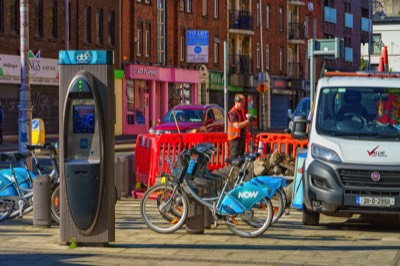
310, 217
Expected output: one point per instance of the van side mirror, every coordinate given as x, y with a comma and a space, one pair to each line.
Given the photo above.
158, 121
289, 113
300, 127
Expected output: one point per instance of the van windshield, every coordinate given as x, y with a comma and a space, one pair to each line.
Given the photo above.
359, 112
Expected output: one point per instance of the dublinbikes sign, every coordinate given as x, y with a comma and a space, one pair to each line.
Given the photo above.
86, 57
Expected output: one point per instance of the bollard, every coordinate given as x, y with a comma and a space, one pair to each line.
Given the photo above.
195, 220
42, 201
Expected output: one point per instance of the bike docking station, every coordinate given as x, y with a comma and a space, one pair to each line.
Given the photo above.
87, 115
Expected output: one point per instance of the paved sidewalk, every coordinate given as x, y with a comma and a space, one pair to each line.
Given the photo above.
287, 242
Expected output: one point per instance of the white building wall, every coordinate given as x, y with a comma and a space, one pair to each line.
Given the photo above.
391, 38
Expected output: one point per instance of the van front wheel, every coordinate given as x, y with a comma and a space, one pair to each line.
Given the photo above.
310, 217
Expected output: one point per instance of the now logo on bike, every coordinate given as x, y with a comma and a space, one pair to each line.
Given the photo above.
247, 194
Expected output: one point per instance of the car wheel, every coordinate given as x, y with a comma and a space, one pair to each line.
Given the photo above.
310, 217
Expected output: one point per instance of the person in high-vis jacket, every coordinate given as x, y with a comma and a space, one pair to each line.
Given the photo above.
237, 125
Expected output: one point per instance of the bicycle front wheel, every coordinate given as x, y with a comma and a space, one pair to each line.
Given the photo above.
253, 222
163, 211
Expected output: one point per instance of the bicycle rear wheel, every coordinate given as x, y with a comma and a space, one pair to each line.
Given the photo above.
163, 212
6, 208
254, 222
55, 203
279, 204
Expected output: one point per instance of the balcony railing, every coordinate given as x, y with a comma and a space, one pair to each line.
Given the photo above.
240, 64
296, 31
295, 70
240, 20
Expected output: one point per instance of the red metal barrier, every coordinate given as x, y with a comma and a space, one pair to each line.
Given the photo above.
154, 152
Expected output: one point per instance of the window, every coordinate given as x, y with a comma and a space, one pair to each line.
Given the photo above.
161, 31
1, 15
306, 26
258, 55
189, 6
377, 43
216, 50
267, 57
148, 40
182, 46
281, 19
65, 11
147, 1
205, 8
53, 19
88, 26
139, 39
329, 3
111, 28
268, 17
281, 62
216, 8
99, 26
38, 19
14, 16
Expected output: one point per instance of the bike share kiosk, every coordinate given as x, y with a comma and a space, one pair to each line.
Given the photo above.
87, 118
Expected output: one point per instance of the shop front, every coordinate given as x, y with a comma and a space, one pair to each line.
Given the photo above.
280, 95
44, 75
149, 91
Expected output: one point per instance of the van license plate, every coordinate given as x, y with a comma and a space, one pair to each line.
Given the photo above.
375, 201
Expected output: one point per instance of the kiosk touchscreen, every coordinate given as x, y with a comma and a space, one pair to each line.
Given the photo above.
83, 144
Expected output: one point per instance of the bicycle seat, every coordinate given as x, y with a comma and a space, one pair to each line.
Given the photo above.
22, 156
49, 146
5, 157
235, 162
252, 155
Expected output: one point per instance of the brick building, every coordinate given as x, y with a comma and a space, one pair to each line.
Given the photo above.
93, 25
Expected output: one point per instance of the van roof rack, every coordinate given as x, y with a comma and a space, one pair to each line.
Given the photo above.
363, 74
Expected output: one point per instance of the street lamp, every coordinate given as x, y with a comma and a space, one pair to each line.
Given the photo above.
25, 104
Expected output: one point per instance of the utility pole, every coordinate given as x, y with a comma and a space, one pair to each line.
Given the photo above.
369, 32
25, 104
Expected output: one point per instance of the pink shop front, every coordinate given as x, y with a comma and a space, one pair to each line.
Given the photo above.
149, 91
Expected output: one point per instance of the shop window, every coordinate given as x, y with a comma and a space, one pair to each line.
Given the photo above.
135, 105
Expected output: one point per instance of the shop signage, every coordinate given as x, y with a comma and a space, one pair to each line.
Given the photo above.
42, 71
216, 81
197, 46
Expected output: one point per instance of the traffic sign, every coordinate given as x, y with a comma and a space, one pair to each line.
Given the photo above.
262, 88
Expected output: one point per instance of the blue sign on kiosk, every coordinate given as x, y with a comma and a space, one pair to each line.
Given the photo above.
87, 112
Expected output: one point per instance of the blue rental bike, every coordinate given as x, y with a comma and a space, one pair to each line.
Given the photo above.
246, 209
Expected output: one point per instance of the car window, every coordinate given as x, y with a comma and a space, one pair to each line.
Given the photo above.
210, 115
218, 115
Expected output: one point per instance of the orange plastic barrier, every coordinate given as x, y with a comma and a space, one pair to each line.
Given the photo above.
155, 154
282, 142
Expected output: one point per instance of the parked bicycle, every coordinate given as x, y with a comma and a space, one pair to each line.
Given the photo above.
16, 194
246, 209
22, 178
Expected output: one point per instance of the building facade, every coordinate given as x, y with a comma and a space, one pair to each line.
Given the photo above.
93, 25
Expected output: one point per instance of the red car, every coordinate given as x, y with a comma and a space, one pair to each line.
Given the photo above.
192, 118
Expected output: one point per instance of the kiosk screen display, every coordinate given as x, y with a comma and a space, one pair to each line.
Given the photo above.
84, 119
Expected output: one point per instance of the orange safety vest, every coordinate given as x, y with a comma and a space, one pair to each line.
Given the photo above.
233, 132
388, 111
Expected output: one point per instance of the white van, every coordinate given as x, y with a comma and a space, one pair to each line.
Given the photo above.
353, 160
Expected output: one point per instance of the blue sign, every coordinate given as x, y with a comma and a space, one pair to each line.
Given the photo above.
197, 46
86, 57
35, 124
